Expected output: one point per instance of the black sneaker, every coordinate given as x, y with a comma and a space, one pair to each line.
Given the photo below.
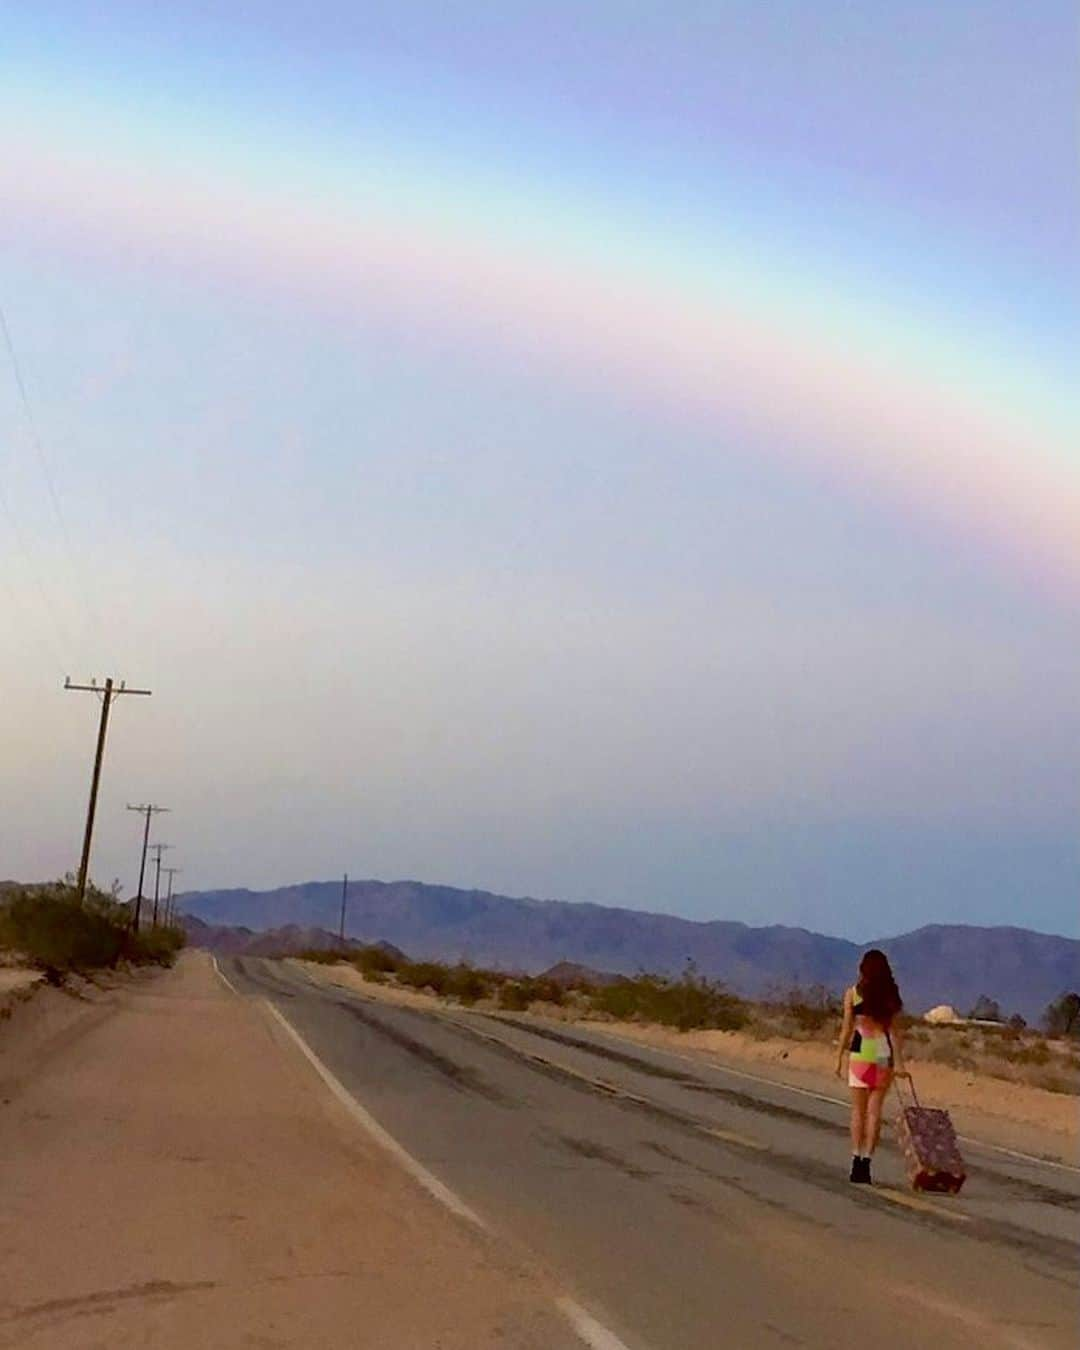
860, 1170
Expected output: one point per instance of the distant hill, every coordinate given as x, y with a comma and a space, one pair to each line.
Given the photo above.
229, 940
1022, 969
243, 941
569, 973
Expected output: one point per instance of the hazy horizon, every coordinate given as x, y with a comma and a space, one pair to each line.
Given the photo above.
334, 884
624, 456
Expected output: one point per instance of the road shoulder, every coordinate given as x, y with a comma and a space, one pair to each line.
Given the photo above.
178, 1176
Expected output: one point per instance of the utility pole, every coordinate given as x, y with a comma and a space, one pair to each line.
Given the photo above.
157, 850
148, 810
171, 871
344, 897
109, 691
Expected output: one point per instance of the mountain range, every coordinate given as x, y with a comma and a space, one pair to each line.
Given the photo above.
1021, 969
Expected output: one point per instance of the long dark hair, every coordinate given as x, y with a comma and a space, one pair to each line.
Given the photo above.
877, 988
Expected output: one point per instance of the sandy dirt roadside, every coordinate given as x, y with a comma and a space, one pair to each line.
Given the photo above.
16, 977
174, 1174
1009, 1115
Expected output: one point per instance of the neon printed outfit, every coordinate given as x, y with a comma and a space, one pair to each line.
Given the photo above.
870, 1062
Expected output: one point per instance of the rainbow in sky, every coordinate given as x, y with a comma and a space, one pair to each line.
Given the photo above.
944, 415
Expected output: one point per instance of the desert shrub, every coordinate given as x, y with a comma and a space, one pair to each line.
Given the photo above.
157, 946
1038, 1053
375, 960
514, 996
1051, 1081
546, 991
323, 956
688, 1003
466, 984
956, 1052
517, 992
623, 1000
423, 975
985, 1009
811, 1008
577, 984
58, 935
759, 1028
1062, 1017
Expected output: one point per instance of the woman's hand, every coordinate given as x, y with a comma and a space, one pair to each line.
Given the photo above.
839, 1068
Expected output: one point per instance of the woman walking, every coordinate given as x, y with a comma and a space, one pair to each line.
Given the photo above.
872, 1039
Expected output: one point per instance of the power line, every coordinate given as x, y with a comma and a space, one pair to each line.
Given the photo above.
43, 595
107, 692
53, 653
50, 482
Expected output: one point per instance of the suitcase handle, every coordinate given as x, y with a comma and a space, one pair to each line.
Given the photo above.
911, 1085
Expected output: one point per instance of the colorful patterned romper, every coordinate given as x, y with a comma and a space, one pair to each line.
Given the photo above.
870, 1063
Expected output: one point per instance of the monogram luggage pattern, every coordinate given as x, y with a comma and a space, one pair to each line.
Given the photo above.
931, 1151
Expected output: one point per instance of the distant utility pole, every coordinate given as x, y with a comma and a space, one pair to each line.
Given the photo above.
171, 872
107, 692
344, 897
157, 850
148, 810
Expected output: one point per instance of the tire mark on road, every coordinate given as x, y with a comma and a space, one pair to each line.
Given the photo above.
459, 1075
588, 1148
690, 1081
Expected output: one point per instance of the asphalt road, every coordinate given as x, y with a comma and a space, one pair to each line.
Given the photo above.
689, 1206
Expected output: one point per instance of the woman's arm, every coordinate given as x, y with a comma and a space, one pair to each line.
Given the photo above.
845, 1032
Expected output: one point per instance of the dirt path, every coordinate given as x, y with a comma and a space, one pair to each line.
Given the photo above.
174, 1175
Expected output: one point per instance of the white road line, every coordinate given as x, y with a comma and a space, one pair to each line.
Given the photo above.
1015, 1153
593, 1333
227, 982
415, 1169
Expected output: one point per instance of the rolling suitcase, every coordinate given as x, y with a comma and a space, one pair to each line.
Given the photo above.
929, 1145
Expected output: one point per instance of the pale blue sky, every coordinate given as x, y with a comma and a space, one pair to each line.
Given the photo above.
431, 599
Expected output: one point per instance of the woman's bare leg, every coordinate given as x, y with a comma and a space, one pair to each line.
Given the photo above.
858, 1118
874, 1108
